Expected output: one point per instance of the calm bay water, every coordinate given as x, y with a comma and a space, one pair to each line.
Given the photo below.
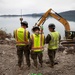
9, 24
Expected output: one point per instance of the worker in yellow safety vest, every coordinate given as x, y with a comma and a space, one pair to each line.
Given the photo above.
52, 40
37, 46
22, 37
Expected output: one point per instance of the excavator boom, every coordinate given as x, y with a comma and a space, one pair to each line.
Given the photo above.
68, 34
55, 15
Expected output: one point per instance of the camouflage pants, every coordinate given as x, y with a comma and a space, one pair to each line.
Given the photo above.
34, 56
23, 50
51, 54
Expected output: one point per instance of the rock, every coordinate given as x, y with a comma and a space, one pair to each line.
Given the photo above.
7, 39
64, 52
61, 48
3, 52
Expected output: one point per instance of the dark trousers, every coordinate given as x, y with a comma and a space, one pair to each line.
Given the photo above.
34, 56
23, 50
51, 54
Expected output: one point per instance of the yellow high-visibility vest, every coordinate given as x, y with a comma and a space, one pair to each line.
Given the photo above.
54, 42
21, 36
38, 42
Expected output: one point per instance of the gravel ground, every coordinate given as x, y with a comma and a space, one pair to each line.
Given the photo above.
8, 63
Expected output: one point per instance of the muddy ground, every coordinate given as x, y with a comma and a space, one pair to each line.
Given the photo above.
8, 63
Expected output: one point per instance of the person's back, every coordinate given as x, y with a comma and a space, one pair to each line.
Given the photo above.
38, 41
22, 37
37, 46
52, 40
53, 43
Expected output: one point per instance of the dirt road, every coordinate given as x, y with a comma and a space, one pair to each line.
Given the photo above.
8, 63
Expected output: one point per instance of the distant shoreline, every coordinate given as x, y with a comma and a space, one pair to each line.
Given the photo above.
28, 15
69, 13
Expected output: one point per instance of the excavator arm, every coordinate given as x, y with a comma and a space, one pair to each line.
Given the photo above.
55, 15
68, 34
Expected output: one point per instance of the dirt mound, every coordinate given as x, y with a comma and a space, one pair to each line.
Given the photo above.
4, 35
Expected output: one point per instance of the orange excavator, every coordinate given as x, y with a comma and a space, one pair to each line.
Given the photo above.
69, 35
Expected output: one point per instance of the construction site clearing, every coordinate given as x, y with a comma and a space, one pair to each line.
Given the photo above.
65, 57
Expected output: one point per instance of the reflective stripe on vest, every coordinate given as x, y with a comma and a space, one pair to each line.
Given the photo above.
53, 44
21, 36
38, 42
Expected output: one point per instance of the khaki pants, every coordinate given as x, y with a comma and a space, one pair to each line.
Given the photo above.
34, 56
23, 50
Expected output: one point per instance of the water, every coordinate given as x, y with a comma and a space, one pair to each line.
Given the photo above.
9, 24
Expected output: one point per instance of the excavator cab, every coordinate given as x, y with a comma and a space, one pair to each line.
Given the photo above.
70, 34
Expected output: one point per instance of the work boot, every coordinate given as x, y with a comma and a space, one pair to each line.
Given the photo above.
27, 68
55, 63
51, 66
18, 64
20, 67
35, 67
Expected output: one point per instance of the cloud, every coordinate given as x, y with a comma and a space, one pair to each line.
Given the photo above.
34, 6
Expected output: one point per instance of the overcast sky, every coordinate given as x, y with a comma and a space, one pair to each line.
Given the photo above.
34, 6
